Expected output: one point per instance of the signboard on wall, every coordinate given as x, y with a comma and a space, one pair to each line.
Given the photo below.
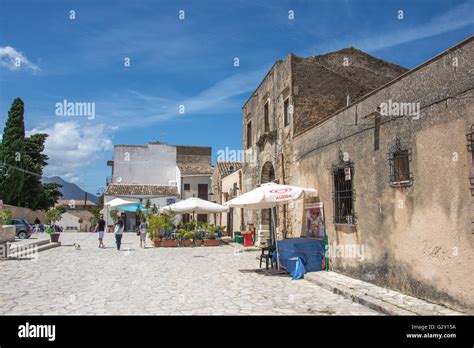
347, 173
315, 224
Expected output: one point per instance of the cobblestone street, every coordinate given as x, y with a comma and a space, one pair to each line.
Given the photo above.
168, 281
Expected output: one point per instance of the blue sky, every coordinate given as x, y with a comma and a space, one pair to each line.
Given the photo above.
184, 62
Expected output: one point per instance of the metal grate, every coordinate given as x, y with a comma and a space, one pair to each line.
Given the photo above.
399, 161
343, 196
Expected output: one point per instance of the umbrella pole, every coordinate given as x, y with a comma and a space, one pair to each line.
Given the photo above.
275, 229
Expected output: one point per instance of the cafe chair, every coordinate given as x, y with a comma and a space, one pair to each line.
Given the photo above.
267, 255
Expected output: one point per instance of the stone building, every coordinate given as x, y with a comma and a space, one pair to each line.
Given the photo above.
393, 169
293, 97
227, 184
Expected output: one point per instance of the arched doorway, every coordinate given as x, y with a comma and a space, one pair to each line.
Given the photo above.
268, 175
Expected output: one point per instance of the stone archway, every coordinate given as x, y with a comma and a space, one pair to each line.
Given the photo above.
268, 175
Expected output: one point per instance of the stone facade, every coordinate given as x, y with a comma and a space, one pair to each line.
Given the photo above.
299, 94
416, 236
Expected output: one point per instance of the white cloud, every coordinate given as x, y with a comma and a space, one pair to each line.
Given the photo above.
11, 59
71, 146
220, 97
456, 18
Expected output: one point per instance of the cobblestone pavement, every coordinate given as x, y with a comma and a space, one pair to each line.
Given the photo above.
204, 281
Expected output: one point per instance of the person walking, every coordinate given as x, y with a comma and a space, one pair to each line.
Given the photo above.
37, 225
118, 231
143, 228
100, 229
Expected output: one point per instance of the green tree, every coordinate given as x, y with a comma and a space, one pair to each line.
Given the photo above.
50, 196
12, 154
53, 215
34, 162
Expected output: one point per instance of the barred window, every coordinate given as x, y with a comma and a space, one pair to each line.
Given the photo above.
399, 159
343, 195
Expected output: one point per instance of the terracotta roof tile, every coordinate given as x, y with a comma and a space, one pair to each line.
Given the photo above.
141, 190
195, 169
228, 167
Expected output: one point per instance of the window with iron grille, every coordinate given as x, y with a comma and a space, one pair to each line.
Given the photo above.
399, 159
343, 195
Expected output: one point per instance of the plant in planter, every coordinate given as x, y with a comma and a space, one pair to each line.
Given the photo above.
198, 237
7, 230
53, 215
5, 217
180, 235
154, 228
162, 226
211, 239
187, 238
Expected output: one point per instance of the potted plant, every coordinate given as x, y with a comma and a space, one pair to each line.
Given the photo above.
211, 238
163, 226
7, 230
53, 215
187, 238
154, 225
198, 236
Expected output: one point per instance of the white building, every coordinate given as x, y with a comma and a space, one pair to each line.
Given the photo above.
79, 221
157, 172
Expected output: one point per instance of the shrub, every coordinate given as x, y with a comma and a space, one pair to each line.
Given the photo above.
188, 235
5, 217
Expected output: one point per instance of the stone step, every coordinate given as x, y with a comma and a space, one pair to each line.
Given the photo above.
48, 246
375, 297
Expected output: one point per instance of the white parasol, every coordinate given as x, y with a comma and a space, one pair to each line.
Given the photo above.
270, 195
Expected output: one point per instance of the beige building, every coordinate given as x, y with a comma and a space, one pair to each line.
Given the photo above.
195, 171
227, 184
393, 168
80, 220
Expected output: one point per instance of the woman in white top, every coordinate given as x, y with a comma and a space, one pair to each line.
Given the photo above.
118, 231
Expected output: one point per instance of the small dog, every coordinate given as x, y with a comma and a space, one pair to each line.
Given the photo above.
77, 246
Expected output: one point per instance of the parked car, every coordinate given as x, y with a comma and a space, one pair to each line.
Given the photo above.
23, 229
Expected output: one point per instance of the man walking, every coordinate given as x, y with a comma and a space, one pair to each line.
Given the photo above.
100, 229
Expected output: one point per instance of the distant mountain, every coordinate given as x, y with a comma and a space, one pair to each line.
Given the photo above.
70, 190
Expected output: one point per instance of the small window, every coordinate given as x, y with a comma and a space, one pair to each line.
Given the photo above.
266, 117
187, 187
343, 195
286, 111
249, 134
399, 159
234, 189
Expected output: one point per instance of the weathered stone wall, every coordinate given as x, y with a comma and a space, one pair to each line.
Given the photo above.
193, 154
266, 147
321, 84
416, 239
27, 214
